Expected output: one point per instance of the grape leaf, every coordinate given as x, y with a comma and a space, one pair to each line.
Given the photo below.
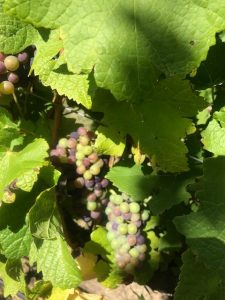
213, 138
91, 33
56, 263
171, 113
204, 229
15, 245
44, 218
15, 35
12, 283
106, 269
198, 282
110, 146
131, 181
15, 164
53, 71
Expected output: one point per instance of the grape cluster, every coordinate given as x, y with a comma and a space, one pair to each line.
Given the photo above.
125, 219
88, 169
11, 66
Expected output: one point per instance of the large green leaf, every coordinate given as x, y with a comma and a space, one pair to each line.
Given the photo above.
204, 230
44, 218
14, 165
126, 41
15, 245
198, 282
56, 263
157, 124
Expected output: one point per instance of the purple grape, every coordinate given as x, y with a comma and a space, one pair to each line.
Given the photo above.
74, 135
23, 57
104, 183
97, 179
89, 183
2, 67
13, 77
127, 216
98, 186
140, 239
104, 201
95, 215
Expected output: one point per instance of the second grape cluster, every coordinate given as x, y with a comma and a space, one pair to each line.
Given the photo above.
11, 67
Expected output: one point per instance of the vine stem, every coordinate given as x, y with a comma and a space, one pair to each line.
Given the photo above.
17, 105
57, 102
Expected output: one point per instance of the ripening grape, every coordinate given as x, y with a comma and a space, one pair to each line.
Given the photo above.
81, 131
81, 169
11, 63
95, 214
6, 88
23, 57
2, 56
79, 182
71, 143
91, 197
13, 77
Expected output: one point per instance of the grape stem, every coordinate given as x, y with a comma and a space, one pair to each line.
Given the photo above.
17, 105
57, 102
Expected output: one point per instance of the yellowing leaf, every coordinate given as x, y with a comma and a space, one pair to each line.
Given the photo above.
87, 262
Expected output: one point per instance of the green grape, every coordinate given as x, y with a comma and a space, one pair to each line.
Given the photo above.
132, 228
122, 229
80, 155
87, 150
6, 88
111, 235
124, 207
91, 206
79, 163
95, 170
142, 248
134, 207
145, 215
62, 143
134, 252
84, 140
135, 217
11, 63
80, 148
87, 175
115, 243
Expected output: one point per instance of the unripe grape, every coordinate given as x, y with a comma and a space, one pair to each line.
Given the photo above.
124, 207
95, 170
100, 163
134, 252
23, 57
11, 63
91, 206
13, 77
87, 175
87, 150
80, 155
84, 140
132, 228
122, 229
142, 248
115, 243
145, 215
134, 207
62, 143
6, 88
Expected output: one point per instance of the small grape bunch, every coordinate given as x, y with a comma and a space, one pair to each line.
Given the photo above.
78, 150
125, 220
10, 68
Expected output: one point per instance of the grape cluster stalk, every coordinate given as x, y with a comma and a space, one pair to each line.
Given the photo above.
125, 220
11, 69
88, 167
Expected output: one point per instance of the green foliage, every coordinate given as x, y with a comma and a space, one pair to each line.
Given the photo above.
144, 75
